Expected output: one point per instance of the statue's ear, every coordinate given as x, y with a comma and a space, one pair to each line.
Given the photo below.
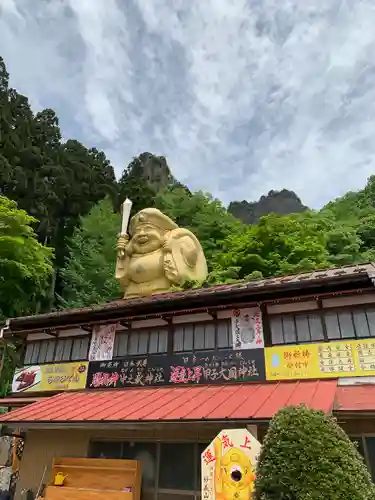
166, 236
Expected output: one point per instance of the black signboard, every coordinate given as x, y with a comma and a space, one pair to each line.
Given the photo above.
199, 368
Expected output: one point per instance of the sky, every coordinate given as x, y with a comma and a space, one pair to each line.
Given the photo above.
241, 96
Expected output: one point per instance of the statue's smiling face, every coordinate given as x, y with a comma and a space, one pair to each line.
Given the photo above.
147, 238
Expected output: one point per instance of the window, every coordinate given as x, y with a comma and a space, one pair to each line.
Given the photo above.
63, 349
296, 328
366, 447
177, 464
340, 324
174, 474
140, 342
359, 444
146, 454
347, 324
370, 448
80, 347
105, 449
224, 334
201, 336
49, 351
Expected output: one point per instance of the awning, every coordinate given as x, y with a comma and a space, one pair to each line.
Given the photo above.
171, 404
356, 398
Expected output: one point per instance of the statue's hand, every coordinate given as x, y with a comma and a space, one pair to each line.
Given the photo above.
170, 269
167, 246
122, 243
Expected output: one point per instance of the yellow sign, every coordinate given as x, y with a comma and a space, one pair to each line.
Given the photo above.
57, 377
354, 358
228, 466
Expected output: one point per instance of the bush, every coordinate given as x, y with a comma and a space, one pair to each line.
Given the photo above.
307, 456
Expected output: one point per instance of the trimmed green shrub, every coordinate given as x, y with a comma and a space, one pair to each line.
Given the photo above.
307, 456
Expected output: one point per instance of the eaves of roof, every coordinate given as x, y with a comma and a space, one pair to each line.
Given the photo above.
221, 295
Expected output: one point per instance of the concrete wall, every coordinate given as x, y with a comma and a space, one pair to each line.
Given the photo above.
40, 448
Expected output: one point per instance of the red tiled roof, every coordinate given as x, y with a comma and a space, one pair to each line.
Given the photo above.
241, 401
355, 398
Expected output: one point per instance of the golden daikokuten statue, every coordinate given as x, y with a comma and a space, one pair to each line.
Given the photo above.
157, 255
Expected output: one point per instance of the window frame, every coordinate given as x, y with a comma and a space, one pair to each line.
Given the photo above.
156, 490
56, 340
212, 322
321, 313
362, 438
139, 331
170, 329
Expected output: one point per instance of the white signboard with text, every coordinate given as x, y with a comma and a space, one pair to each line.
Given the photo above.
102, 342
247, 329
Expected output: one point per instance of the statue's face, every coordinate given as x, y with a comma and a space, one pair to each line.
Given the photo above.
147, 238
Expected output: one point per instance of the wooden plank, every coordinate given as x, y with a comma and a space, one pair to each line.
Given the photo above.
64, 493
65, 466
96, 462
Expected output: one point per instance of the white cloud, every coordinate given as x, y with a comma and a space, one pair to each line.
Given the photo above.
241, 96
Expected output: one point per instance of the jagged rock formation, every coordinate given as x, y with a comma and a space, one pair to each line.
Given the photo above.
155, 171
282, 202
148, 174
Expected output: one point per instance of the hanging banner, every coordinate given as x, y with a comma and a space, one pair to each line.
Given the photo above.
247, 329
102, 342
228, 466
54, 377
354, 358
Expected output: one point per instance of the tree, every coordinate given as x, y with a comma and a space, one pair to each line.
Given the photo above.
56, 182
9, 356
25, 264
25, 270
88, 276
135, 182
276, 245
365, 230
307, 456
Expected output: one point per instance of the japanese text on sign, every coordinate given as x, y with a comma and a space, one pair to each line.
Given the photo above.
353, 358
247, 329
199, 368
223, 367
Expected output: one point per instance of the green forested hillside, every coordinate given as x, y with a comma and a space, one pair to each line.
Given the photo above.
71, 192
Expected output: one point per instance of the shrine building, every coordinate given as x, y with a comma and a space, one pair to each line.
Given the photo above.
156, 378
